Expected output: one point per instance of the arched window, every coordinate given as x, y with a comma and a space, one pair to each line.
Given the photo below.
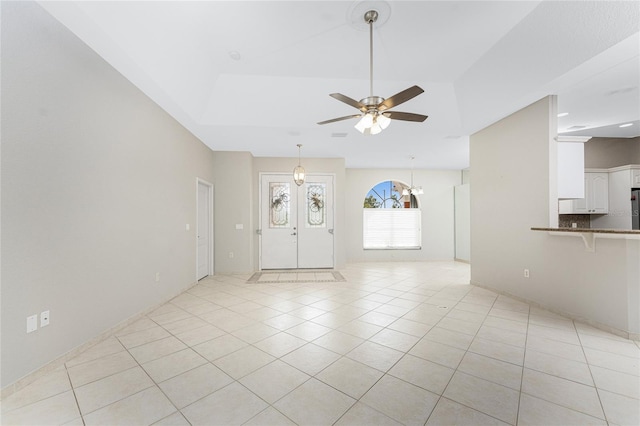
391, 218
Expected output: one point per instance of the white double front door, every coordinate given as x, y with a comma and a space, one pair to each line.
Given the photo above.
296, 222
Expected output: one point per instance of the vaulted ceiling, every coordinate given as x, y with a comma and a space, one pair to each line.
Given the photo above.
256, 75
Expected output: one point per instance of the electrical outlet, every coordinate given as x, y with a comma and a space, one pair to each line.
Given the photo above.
32, 323
526, 273
230, 255
157, 276
44, 319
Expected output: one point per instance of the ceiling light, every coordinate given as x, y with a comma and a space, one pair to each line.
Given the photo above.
626, 125
299, 172
413, 190
563, 114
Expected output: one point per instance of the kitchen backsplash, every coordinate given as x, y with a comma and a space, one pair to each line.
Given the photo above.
582, 220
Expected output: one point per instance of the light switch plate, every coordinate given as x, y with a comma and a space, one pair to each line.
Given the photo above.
32, 323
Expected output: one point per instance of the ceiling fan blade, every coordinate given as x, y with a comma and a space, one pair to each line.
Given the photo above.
347, 100
399, 98
405, 116
333, 120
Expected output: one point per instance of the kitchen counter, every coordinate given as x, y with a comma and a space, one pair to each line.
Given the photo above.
589, 234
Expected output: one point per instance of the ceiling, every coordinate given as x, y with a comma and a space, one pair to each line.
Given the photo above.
256, 75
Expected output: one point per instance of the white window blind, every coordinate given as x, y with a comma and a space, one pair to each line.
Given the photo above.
391, 229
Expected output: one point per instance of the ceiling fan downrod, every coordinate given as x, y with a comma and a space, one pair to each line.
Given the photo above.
370, 17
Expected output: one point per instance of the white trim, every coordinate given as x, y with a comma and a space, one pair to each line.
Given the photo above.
209, 185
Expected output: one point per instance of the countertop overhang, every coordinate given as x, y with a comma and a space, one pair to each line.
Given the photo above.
589, 234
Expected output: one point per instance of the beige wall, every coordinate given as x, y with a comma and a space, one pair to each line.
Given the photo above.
98, 184
605, 153
511, 194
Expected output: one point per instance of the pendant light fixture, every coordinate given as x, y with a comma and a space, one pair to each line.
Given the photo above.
413, 190
298, 171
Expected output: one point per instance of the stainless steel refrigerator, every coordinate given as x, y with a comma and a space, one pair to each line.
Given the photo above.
635, 208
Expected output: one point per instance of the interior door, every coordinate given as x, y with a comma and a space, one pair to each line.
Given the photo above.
203, 230
296, 222
279, 222
315, 223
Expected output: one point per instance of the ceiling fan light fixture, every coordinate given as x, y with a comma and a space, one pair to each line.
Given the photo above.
383, 121
364, 123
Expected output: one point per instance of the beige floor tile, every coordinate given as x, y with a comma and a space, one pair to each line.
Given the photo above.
374, 355
426, 374
58, 409
522, 317
192, 385
361, 414
262, 314
200, 335
566, 393
493, 370
501, 351
94, 370
618, 347
141, 337
402, 401
535, 412
187, 299
556, 348
465, 315
621, 363
283, 321
158, 349
413, 328
280, 344
338, 342
51, 384
307, 312
552, 322
101, 393
616, 382
350, 377
308, 331
501, 335
506, 324
142, 408
173, 364
170, 317
175, 419
232, 405
227, 320
186, 324
556, 366
273, 381
461, 326
242, 362
449, 412
438, 353
620, 409
243, 308
395, 340
109, 346
332, 320
487, 397
361, 329
314, 403
449, 337
256, 332
142, 324
554, 334
270, 417
219, 347
310, 358
378, 318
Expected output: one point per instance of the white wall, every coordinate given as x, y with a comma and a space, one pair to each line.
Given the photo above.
97, 185
512, 162
606, 153
463, 222
437, 205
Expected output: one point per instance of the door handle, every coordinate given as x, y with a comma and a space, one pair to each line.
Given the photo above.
330, 231
294, 233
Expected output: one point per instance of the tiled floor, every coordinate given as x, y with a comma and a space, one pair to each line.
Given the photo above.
397, 343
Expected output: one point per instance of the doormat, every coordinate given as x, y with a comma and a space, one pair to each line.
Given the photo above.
296, 276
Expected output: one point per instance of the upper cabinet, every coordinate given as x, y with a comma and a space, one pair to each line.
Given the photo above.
571, 166
596, 200
635, 178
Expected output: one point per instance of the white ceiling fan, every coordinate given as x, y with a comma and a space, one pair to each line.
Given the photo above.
375, 115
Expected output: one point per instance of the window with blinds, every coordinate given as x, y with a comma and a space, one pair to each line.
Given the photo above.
391, 229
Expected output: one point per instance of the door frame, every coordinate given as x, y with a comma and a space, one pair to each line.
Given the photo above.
260, 212
200, 181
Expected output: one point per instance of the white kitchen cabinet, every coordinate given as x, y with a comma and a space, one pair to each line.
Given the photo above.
596, 200
635, 178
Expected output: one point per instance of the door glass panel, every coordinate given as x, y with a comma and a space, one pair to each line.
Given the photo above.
315, 212
280, 209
